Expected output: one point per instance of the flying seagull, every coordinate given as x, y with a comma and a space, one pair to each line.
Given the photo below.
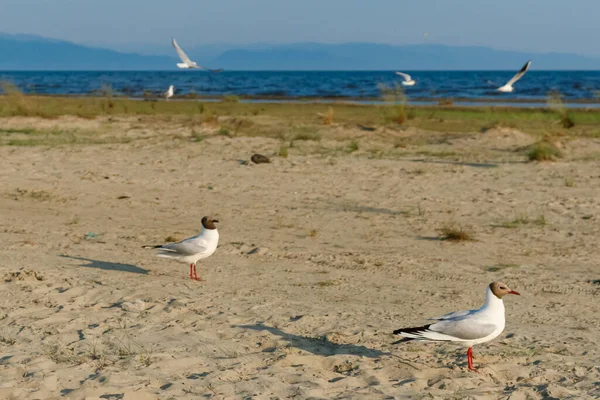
194, 249
509, 85
186, 62
408, 81
169, 93
468, 327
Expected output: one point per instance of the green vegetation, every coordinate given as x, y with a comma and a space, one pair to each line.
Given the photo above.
432, 118
383, 129
543, 150
283, 151
353, 146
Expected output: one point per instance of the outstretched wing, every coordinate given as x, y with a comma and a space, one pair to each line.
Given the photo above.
405, 76
519, 74
181, 53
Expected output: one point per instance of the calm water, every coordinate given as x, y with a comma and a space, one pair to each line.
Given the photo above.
431, 85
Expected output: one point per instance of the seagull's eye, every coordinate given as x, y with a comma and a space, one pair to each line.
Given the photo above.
501, 287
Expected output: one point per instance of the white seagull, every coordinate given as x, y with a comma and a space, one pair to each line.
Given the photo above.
468, 327
194, 249
408, 81
509, 85
186, 62
169, 93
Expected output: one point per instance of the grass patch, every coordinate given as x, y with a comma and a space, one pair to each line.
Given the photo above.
292, 121
223, 132
307, 133
555, 103
569, 182
326, 283
197, 137
543, 150
24, 131
395, 112
171, 238
353, 146
439, 154
283, 151
328, 116
500, 267
53, 137
455, 233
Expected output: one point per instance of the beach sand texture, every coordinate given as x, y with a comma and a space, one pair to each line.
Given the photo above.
348, 250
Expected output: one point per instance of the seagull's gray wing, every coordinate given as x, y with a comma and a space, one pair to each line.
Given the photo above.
465, 329
183, 248
453, 315
181, 53
519, 74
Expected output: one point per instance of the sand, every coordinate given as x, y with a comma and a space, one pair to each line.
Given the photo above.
348, 250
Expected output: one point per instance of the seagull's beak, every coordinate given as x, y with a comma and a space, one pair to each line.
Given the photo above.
216, 220
514, 292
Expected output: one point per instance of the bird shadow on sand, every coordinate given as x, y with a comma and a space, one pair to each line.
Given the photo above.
108, 266
317, 346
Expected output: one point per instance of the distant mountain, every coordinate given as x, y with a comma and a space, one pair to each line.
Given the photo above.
28, 52
370, 56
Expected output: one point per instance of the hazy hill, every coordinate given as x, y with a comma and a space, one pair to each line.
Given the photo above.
27, 52
369, 56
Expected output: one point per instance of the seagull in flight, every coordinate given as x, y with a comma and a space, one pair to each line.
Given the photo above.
408, 81
467, 327
186, 62
509, 85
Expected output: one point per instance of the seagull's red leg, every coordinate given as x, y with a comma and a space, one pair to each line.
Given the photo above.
196, 274
470, 359
191, 276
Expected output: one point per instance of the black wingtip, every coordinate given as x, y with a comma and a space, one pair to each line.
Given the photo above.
417, 329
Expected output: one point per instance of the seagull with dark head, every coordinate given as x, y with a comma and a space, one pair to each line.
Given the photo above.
466, 327
194, 249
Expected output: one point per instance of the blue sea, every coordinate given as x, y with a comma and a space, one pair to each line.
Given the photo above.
577, 87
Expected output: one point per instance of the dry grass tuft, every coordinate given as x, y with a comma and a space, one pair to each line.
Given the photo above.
328, 116
544, 150
455, 233
283, 151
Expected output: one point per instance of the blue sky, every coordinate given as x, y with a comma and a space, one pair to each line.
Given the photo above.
527, 25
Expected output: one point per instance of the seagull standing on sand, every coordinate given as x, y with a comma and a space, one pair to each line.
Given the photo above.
194, 249
509, 85
169, 93
468, 327
408, 81
186, 62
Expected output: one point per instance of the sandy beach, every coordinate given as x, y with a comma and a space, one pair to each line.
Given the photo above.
323, 253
